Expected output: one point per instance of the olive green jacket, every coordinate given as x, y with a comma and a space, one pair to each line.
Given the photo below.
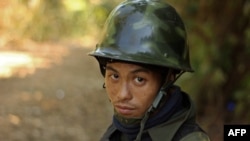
169, 130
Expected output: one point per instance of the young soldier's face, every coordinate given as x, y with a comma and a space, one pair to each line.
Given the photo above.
131, 88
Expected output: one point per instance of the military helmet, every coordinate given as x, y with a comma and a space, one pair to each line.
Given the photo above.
146, 32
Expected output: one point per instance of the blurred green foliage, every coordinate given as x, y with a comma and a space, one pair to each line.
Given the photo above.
55, 19
43, 20
219, 46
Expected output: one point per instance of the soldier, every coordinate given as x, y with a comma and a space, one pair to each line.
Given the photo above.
142, 52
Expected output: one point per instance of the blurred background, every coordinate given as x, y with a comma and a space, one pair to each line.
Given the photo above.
51, 90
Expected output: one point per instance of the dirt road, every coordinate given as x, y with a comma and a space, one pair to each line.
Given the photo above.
64, 101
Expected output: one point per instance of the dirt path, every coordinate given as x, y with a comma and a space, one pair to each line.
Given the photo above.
62, 102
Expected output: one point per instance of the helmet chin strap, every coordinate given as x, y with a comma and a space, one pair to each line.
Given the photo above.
157, 100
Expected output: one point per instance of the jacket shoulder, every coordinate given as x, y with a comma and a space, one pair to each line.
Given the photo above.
196, 136
106, 136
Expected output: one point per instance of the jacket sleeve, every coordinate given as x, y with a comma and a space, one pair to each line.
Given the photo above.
196, 136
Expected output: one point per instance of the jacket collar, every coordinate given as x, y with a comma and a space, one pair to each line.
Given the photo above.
166, 130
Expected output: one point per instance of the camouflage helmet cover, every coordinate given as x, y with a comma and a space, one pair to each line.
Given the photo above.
147, 32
